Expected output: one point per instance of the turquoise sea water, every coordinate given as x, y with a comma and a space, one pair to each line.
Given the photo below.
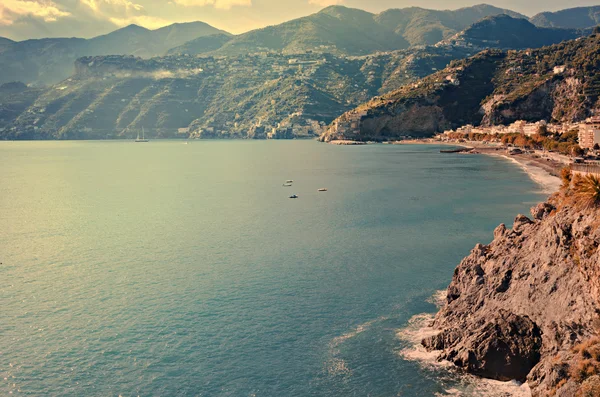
165, 269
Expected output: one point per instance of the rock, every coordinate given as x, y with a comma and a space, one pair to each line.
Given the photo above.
500, 231
516, 307
505, 283
590, 387
507, 348
520, 222
542, 210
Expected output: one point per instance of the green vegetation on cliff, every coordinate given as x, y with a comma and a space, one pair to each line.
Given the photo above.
556, 83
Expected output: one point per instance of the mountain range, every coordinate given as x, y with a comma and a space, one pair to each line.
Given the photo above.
503, 31
558, 83
303, 73
215, 97
348, 31
48, 61
336, 29
572, 18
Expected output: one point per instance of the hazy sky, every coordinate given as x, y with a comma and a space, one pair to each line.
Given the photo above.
21, 19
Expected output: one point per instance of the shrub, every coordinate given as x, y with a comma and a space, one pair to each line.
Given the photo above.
566, 176
587, 189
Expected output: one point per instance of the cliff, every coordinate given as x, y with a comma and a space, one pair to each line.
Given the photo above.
526, 306
558, 83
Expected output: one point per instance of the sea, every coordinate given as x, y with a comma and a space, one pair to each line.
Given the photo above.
174, 269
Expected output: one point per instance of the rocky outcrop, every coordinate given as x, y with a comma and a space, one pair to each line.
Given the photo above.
519, 307
537, 104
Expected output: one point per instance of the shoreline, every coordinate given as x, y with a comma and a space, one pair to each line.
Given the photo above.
545, 173
549, 182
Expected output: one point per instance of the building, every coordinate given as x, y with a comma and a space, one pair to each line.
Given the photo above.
589, 133
531, 129
517, 127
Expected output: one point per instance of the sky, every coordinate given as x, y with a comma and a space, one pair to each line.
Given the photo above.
24, 19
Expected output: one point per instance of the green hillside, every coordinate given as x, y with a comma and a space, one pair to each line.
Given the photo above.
572, 18
557, 83
348, 31
421, 26
503, 31
47, 61
115, 96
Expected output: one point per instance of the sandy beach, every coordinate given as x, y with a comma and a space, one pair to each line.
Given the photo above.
546, 177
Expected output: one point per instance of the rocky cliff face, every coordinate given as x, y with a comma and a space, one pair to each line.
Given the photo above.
559, 83
526, 306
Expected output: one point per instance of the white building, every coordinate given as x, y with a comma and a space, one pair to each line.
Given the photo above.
589, 133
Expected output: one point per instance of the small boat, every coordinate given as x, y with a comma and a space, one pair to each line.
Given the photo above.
143, 139
322, 189
293, 196
287, 185
289, 181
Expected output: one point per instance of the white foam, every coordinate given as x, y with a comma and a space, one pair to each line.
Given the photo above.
438, 298
419, 328
336, 366
463, 385
356, 331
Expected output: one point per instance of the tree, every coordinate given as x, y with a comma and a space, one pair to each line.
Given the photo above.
577, 151
543, 130
596, 146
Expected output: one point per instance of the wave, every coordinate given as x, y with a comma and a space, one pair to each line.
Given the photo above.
358, 330
460, 384
336, 366
438, 298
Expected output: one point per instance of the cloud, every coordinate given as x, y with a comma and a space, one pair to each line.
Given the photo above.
13, 10
111, 7
325, 3
142, 20
123, 13
221, 4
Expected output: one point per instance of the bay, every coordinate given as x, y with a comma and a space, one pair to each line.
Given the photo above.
171, 269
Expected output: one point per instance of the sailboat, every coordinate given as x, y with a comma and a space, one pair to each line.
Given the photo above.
143, 136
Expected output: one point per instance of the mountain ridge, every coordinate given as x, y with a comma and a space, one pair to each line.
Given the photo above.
570, 18
505, 32
335, 29
557, 83
393, 29
47, 61
212, 97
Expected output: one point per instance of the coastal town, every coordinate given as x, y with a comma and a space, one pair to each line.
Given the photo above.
543, 149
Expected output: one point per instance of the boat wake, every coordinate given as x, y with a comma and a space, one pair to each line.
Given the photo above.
335, 365
459, 383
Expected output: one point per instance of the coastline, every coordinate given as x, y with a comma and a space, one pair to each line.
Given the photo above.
546, 179
544, 172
